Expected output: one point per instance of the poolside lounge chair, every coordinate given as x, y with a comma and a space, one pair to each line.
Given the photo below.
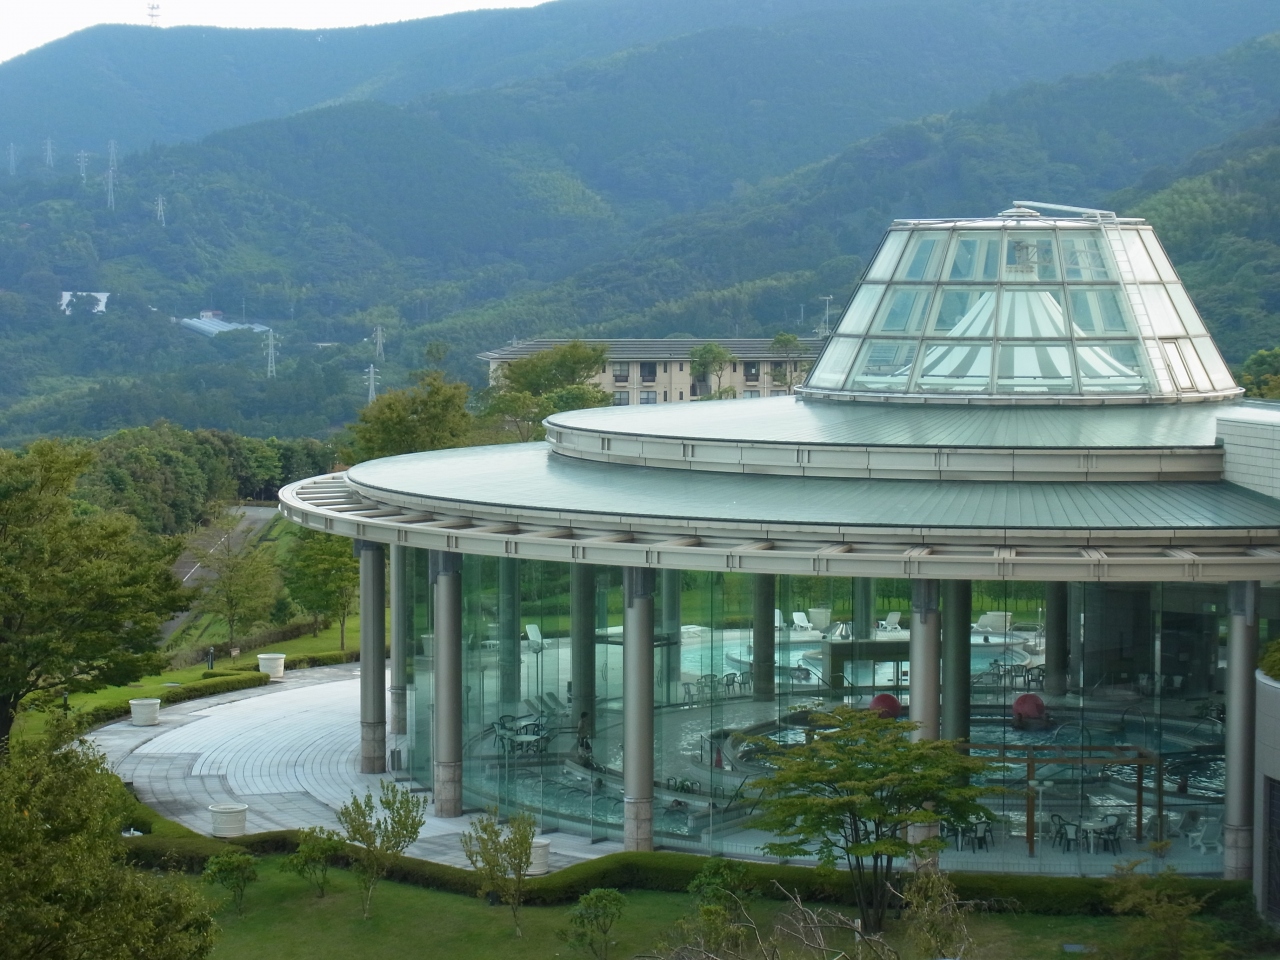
1209, 835
891, 621
534, 633
801, 620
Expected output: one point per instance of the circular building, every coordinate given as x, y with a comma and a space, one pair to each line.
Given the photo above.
1018, 496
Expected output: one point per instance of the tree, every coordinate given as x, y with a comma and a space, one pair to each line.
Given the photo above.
501, 857
1163, 924
244, 582
317, 850
525, 392
788, 345
379, 839
234, 870
855, 792
1260, 375
710, 360
65, 889
83, 593
429, 416
323, 577
591, 919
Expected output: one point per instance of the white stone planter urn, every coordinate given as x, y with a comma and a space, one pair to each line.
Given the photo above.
272, 664
820, 617
228, 818
145, 711
540, 858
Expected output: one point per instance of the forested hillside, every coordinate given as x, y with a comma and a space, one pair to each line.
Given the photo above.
431, 226
140, 86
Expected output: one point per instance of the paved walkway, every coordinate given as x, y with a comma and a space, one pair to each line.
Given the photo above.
290, 750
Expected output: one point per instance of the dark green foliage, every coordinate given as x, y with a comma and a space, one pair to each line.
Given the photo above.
233, 870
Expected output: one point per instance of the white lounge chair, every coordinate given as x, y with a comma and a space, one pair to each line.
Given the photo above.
777, 619
534, 633
993, 621
891, 621
1209, 835
801, 620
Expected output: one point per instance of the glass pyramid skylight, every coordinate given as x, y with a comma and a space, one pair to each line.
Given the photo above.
1022, 308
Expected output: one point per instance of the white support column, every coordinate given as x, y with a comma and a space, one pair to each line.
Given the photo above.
399, 638
926, 658
1242, 658
373, 657
637, 709
446, 574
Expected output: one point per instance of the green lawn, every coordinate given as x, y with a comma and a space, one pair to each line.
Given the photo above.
283, 919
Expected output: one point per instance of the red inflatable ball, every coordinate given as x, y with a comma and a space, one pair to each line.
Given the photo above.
1028, 707
887, 705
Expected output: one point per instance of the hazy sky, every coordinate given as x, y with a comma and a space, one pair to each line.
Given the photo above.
26, 24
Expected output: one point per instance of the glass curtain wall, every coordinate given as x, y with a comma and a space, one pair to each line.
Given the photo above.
1101, 705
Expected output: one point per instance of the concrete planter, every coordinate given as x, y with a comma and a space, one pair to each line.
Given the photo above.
540, 858
145, 711
820, 617
228, 819
272, 664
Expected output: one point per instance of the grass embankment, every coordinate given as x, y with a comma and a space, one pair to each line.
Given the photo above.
284, 919
31, 723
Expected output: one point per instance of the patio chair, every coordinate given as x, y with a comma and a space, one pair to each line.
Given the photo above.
534, 633
1209, 835
891, 620
1070, 836
745, 680
730, 682
1018, 674
801, 620
1057, 822
1035, 677
690, 694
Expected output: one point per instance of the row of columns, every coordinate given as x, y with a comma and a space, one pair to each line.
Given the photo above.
938, 649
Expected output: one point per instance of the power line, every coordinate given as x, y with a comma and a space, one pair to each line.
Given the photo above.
48, 153
13, 161
111, 154
111, 188
160, 209
372, 378
378, 341
153, 14
82, 161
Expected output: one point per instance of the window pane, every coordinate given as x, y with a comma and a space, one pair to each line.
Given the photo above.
903, 310
1029, 256
1139, 260
860, 311
1179, 369
883, 365
1187, 312
965, 312
1164, 319
1114, 367
1034, 368
1199, 376
887, 258
1096, 311
833, 367
974, 256
923, 256
955, 368
1161, 259
1213, 365
1084, 256
1032, 313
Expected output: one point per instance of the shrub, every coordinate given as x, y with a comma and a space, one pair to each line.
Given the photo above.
212, 674
234, 870
318, 849
188, 854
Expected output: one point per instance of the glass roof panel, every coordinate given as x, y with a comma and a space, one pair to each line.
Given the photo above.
887, 257
903, 310
955, 367
974, 255
1098, 311
1164, 318
833, 366
1014, 307
964, 312
1111, 366
858, 316
1161, 259
1084, 256
1035, 368
883, 365
923, 258
1032, 312
1029, 256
